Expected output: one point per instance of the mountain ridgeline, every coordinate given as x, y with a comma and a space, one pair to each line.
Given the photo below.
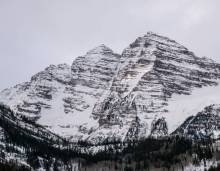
155, 89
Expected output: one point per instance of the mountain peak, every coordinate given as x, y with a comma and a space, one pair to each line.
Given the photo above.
100, 49
156, 40
154, 35
151, 33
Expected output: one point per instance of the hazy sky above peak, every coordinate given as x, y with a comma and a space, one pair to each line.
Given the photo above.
37, 33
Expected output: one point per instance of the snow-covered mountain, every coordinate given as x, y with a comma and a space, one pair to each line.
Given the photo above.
148, 90
203, 125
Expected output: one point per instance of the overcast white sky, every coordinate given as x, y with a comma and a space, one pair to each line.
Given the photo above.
36, 33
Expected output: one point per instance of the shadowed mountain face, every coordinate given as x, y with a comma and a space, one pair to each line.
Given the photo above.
148, 90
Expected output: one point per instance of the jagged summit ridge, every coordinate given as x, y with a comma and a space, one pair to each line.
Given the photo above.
100, 49
154, 39
104, 95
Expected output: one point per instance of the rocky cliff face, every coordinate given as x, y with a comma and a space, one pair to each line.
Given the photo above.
152, 70
32, 97
62, 97
204, 124
148, 90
